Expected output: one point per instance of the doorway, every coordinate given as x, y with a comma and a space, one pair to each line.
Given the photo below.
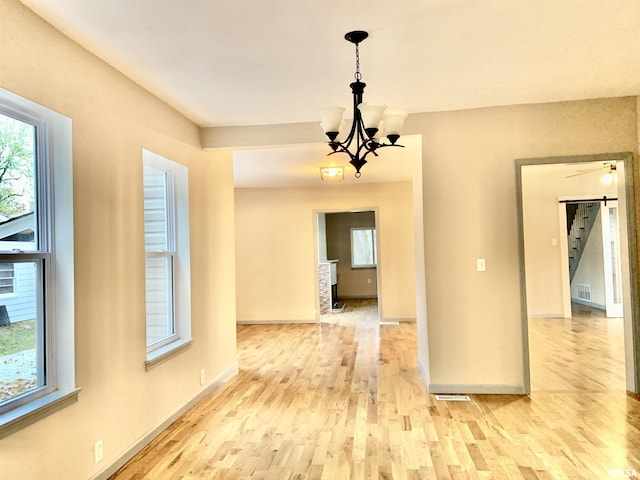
348, 267
594, 258
544, 278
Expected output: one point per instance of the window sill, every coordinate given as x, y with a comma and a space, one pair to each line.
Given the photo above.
24, 415
168, 351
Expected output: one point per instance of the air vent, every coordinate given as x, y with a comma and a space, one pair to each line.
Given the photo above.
584, 291
453, 398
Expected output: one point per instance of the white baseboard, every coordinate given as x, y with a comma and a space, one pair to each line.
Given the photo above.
271, 322
397, 320
587, 303
357, 297
119, 462
480, 389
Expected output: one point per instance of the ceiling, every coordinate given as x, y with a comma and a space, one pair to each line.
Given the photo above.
252, 62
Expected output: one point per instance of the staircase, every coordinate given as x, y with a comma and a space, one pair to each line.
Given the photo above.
583, 220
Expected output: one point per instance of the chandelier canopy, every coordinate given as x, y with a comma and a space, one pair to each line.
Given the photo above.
371, 123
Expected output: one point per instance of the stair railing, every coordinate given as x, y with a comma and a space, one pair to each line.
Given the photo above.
580, 229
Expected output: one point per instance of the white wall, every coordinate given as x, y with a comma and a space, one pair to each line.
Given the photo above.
322, 237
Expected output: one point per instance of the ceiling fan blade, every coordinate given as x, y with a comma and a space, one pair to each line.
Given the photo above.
582, 173
591, 170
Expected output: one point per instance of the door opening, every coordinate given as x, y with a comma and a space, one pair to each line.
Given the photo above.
348, 269
592, 246
545, 291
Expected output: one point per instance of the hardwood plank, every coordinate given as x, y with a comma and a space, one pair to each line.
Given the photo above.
344, 400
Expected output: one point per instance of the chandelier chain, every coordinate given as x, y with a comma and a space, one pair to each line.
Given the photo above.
357, 75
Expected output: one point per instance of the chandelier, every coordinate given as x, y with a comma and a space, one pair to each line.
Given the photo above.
370, 121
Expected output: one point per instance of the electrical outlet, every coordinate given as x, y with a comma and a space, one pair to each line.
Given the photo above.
482, 265
97, 451
202, 377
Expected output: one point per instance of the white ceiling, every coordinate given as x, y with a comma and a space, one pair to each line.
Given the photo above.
251, 62
245, 62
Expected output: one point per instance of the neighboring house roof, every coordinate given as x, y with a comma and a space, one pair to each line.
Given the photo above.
16, 225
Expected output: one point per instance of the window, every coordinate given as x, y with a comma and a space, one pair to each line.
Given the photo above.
363, 247
36, 263
166, 241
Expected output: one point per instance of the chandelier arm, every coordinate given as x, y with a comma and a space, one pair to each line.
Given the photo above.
337, 151
382, 145
362, 146
356, 134
366, 148
357, 126
353, 135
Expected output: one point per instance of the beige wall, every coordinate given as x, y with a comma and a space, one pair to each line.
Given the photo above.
276, 248
468, 195
474, 323
113, 119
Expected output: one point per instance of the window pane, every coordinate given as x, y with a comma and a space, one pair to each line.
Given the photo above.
17, 185
7, 279
155, 210
615, 268
21, 340
363, 247
159, 298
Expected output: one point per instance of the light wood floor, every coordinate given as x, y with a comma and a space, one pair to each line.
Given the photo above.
343, 400
582, 353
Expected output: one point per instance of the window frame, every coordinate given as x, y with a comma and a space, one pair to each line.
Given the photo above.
178, 249
55, 251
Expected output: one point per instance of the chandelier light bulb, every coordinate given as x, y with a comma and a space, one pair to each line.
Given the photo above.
371, 114
394, 121
381, 133
331, 120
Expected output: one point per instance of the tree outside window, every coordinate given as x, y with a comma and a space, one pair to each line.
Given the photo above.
22, 366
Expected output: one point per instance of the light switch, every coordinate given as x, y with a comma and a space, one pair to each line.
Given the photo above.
482, 265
